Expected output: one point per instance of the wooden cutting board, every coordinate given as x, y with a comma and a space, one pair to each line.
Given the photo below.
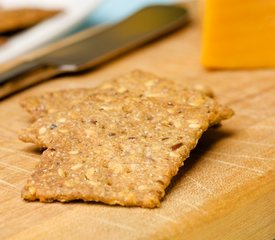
225, 190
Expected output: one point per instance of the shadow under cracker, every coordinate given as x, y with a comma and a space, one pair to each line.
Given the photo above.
34, 150
207, 142
87, 203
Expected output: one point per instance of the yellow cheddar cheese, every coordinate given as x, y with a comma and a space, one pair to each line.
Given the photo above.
239, 34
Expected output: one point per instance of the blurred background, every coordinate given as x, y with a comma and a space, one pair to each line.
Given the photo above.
28, 24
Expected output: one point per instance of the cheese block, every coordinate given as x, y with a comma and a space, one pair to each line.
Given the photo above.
239, 34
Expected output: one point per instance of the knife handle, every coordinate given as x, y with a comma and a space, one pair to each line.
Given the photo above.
25, 75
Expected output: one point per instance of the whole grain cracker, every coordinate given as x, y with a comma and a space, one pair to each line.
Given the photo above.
119, 143
137, 82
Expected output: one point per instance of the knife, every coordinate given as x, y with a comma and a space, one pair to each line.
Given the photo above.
144, 26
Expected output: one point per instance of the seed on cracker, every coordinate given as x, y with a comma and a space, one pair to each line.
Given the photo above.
121, 143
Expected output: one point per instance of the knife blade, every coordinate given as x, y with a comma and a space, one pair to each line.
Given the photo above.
142, 27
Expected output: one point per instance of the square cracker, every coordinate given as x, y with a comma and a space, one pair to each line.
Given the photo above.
119, 143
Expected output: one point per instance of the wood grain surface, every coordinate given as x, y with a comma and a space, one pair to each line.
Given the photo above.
224, 191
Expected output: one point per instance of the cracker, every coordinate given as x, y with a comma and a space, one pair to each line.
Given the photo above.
119, 143
19, 19
137, 82
51, 102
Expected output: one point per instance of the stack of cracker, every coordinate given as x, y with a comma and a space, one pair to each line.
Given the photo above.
119, 143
